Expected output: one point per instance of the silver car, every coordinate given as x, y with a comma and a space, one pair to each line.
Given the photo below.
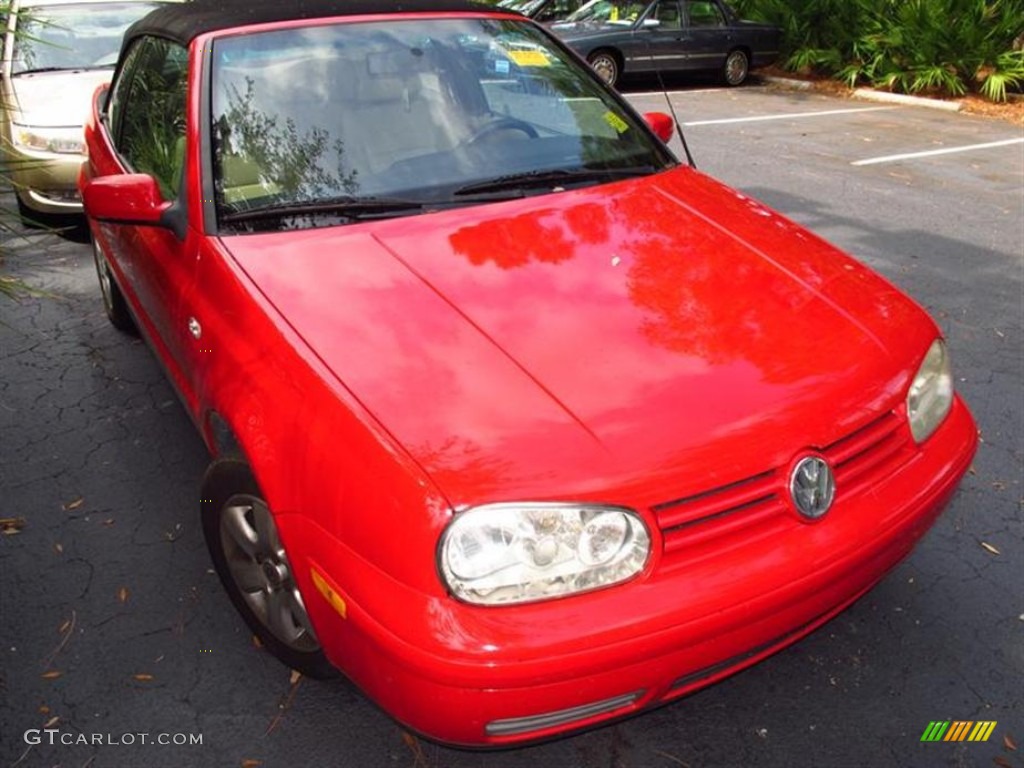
55, 54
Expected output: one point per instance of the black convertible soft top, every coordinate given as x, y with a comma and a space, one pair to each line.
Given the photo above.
184, 21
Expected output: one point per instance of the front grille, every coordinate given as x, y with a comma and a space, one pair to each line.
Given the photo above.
869, 454
702, 524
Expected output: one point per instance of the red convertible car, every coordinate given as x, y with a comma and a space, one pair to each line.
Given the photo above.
514, 419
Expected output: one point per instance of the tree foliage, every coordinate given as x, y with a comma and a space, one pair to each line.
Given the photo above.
942, 47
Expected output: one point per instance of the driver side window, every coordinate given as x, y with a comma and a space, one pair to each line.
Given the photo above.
148, 117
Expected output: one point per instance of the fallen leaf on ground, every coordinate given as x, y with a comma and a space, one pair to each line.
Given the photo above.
286, 702
143, 677
251, 763
58, 548
109, 521
1009, 743
1002, 762
66, 629
122, 595
989, 548
53, 674
419, 758
43, 709
52, 722
257, 642
11, 525
74, 504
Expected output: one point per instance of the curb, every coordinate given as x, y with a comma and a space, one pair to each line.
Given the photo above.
909, 101
868, 94
788, 82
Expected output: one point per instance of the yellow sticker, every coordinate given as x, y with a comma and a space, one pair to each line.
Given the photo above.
616, 122
529, 58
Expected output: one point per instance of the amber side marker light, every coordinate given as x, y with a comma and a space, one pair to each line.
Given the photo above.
330, 595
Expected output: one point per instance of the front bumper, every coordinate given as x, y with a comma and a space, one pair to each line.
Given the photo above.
45, 182
494, 676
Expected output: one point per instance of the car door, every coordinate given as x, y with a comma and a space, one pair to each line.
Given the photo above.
659, 38
146, 120
708, 35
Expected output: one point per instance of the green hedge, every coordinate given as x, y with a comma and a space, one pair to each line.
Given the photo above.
942, 47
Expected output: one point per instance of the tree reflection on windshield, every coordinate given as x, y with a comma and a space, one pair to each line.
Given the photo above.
262, 156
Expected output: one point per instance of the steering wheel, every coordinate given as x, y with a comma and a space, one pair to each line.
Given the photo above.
503, 124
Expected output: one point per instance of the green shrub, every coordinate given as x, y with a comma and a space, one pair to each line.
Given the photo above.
946, 47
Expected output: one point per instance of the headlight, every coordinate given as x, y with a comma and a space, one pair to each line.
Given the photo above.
931, 395
517, 553
62, 141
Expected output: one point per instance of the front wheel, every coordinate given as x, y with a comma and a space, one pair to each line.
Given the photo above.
255, 570
113, 300
736, 68
606, 66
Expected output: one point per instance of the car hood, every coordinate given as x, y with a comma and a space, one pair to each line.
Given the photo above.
57, 99
601, 338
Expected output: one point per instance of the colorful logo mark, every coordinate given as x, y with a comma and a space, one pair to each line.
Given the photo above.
958, 730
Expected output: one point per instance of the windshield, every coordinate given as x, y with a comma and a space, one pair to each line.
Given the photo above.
80, 36
609, 12
393, 118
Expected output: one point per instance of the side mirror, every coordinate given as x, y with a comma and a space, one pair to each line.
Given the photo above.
132, 198
661, 124
650, 23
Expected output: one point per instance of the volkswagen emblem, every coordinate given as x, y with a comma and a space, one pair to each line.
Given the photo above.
812, 486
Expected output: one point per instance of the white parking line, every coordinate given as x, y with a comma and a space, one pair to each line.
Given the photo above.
933, 152
790, 116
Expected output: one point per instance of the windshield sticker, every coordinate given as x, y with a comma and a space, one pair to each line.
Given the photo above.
529, 58
616, 122
502, 66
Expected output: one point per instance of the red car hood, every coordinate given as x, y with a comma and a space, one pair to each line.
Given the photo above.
598, 340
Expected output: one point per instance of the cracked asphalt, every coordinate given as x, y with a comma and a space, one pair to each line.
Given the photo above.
112, 623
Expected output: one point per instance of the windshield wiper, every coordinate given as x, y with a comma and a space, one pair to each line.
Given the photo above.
349, 207
553, 178
37, 70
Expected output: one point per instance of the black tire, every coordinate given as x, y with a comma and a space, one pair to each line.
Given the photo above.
113, 300
258, 581
30, 219
736, 67
606, 65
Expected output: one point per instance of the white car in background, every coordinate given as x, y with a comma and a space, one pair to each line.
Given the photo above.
55, 54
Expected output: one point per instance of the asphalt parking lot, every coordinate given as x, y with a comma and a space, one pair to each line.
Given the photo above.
112, 622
